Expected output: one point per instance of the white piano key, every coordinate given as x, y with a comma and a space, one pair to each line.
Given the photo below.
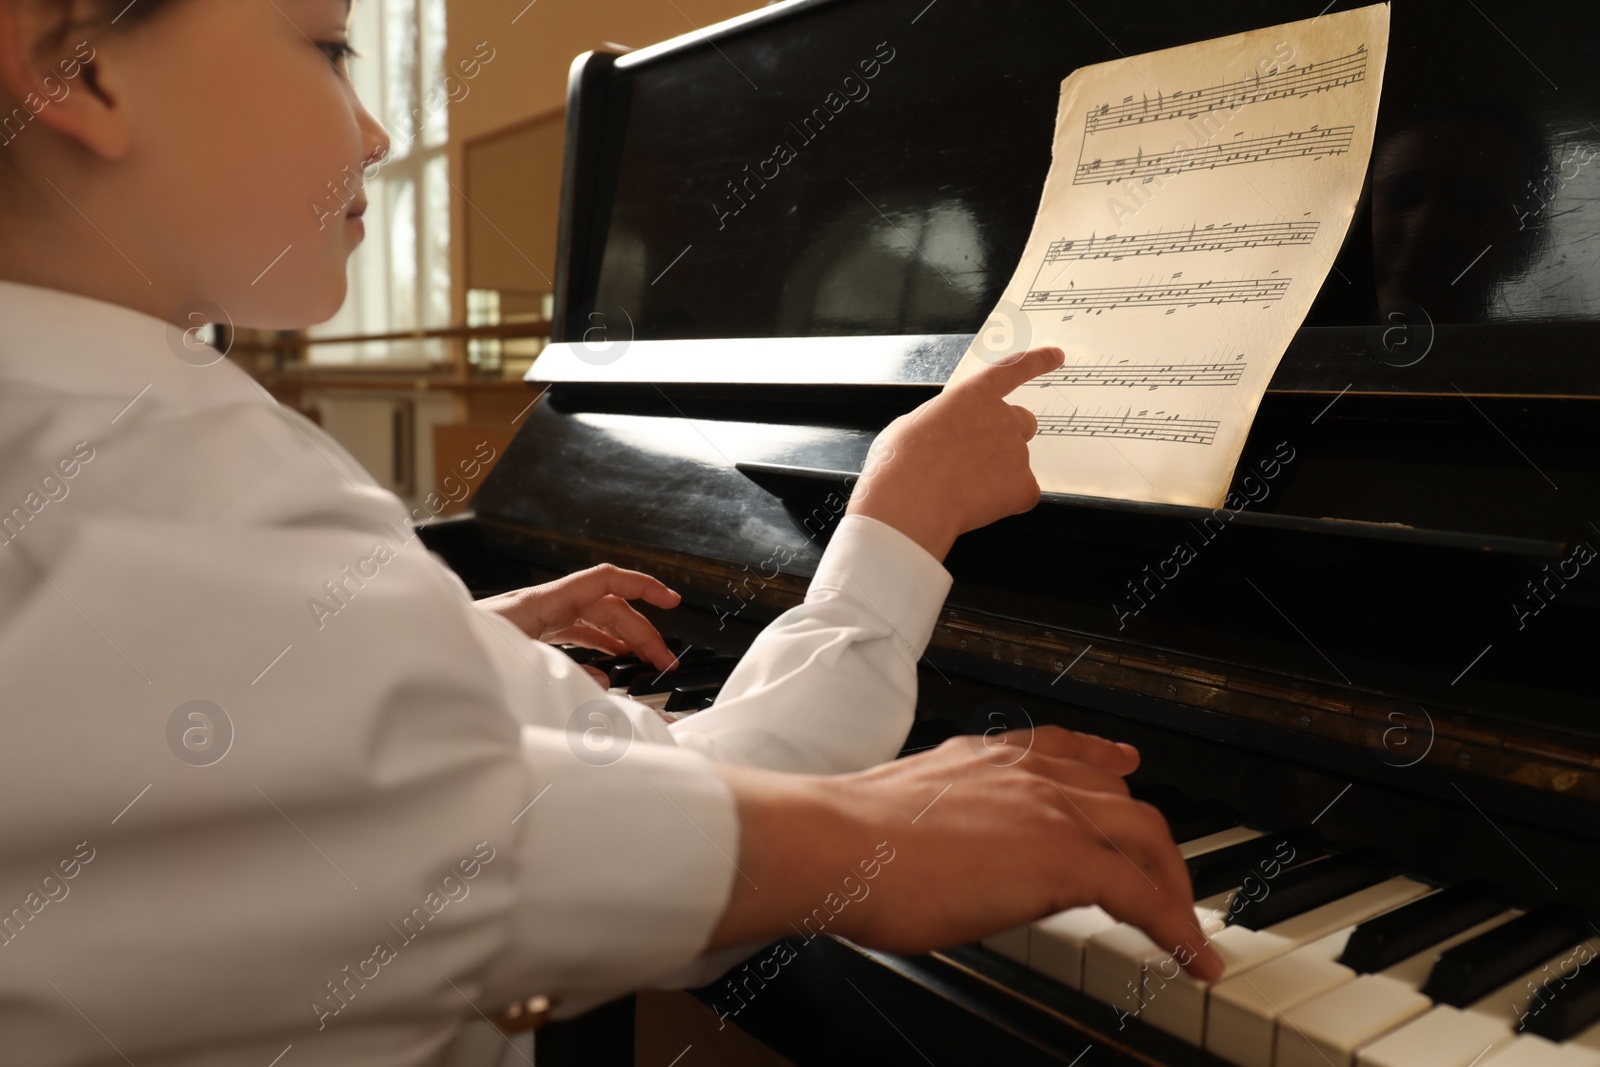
1056, 944
1179, 1007
1113, 967
1415, 969
1453, 1037
1587, 1039
1242, 1012
1238, 835
1441, 1037
1012, 944
1120, 963
1327, 1030
1530, 1050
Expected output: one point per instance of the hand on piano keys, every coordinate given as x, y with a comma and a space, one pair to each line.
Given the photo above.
975, 846
590, 609
1054, 827
959, 461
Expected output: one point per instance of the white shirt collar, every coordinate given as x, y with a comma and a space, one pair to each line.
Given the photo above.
76, 345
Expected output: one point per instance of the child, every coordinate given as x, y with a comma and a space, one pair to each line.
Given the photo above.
231, 826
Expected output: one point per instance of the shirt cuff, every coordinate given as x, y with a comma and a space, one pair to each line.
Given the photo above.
873, 563
624, 870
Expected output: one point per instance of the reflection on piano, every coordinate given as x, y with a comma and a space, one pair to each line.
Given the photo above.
1366, 707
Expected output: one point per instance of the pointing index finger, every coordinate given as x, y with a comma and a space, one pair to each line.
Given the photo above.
1001, 378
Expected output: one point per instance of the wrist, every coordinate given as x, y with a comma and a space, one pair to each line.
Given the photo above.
799, 837
928, 526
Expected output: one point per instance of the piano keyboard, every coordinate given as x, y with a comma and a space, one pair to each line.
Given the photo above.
1335, 960
693, 684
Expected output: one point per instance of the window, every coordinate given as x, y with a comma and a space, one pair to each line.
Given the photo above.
400, 276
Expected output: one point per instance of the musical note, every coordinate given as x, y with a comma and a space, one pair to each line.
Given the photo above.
1148, 375
1276, 84
1210, 238
1175, 297
1142, 427
1314, 142
1110, 298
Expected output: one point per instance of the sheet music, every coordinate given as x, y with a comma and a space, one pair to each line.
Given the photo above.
1194, 207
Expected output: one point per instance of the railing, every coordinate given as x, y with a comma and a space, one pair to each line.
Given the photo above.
289, 351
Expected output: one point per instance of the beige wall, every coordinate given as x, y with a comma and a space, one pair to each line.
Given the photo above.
513, 188
527, 80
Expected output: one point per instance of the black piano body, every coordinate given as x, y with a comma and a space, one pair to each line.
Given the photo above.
781, 232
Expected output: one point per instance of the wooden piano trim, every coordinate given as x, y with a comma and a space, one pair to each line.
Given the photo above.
1135, 1041
1516, 755
1561, 764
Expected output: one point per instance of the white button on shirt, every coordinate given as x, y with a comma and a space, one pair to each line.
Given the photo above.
379, 820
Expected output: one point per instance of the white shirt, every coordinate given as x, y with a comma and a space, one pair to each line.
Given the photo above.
400, 829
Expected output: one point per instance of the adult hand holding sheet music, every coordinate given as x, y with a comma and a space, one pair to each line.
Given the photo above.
1196, 202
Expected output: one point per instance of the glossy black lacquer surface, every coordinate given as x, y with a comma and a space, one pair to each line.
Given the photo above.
1412, 511
873, 166
1412, 519
1402, 546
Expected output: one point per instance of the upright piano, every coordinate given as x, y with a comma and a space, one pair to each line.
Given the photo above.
1364, 687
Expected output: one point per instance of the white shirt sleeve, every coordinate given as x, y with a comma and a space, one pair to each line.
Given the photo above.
830, 686
419, 812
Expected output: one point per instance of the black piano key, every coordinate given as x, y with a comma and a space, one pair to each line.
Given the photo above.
1399, 934
692, 654
622, 672
715, 669
1474, 968
649, 684
926, 734
604, 661
1201, 820
692, 697
1163, 797
1566, 1006
1187, 818
1308, 886
1226, 868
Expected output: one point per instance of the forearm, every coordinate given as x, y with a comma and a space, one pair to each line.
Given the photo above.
1055, 829
797, 840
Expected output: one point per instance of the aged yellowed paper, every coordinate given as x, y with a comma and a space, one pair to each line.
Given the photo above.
1195, 203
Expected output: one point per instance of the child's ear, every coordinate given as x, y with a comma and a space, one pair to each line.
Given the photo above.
50, 69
